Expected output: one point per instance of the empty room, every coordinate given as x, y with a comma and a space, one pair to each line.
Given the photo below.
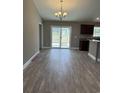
61, 46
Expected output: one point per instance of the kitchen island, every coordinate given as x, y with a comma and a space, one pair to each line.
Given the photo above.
94, 50
84, 41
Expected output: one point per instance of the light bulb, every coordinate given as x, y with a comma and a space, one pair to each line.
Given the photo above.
56, 14
64, 14
59, 13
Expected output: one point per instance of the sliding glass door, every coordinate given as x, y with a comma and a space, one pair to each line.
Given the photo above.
56, 37
65, 37
60, 37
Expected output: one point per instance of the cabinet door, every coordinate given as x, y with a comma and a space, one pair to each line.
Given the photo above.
84, 45
83, 29
90, 29
87, 29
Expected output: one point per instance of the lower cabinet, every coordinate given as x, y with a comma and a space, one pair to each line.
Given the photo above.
84, 45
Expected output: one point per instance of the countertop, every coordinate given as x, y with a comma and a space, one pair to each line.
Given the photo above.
90, 38
94, 40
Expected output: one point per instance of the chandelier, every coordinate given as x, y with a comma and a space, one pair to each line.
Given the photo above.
61, 14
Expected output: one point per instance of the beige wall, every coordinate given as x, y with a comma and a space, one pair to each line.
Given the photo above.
31, 20
75, 31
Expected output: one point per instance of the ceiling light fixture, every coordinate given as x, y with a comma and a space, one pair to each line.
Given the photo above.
61, 14
98, 18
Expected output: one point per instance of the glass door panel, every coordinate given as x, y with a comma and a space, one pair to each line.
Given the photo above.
55, 37
65, 37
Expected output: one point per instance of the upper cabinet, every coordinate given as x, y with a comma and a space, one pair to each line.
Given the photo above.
87, 29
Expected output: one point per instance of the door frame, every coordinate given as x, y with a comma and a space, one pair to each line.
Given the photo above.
60, 38
40, 36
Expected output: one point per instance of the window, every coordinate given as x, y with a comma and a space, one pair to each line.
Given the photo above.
96, 31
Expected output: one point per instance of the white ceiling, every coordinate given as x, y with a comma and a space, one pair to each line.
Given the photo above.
78, 10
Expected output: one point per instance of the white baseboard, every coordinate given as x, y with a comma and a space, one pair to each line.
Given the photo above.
30, 60
74, 48
60, 48
93, 57
46, 47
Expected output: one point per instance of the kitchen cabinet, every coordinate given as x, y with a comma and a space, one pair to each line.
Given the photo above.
84, 45
86, 29
94, 50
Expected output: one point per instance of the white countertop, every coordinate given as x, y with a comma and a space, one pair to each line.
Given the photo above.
94, 40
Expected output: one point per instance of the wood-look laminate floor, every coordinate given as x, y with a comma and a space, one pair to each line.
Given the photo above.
62, 71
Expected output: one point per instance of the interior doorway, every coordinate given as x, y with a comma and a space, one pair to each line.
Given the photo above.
40, 36
61, 36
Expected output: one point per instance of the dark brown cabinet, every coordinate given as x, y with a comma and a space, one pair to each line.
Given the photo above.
86, 29
84, 45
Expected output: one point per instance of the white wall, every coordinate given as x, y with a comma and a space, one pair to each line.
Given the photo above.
31, 20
